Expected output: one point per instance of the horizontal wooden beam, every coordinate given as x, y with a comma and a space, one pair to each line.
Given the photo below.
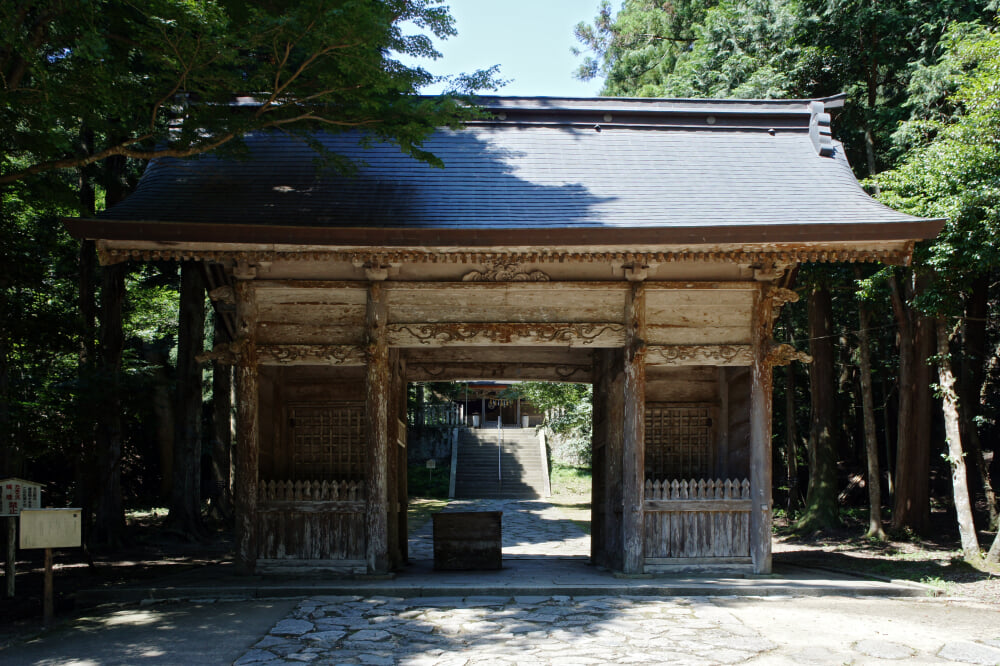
590, 335
718, 505
310, 355
699, 355
431, 372
689, 561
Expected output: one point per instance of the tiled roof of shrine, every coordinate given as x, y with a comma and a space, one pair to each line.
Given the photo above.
692, 171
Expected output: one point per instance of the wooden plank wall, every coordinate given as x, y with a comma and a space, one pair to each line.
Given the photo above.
737, 461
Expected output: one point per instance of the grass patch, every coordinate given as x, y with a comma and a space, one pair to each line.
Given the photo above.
567, 480
420, 511
422, 482
571, 488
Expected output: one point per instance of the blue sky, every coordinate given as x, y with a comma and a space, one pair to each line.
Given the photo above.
529, 39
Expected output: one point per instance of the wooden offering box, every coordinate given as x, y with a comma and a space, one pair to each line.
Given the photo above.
467, 541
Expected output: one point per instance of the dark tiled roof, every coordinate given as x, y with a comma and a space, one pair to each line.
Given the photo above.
542, 164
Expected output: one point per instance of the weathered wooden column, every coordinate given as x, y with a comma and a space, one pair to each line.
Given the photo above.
247, 421
760, 431
634, 440
377, 385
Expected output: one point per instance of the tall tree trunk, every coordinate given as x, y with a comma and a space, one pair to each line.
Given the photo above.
871, 443
821, 510
157, 355
87, 356
956, 457
993, 556
185, 496
911, 506
887, 437
222, 423
971, 379
109, 512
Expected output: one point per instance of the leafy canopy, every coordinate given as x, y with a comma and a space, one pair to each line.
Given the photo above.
953, 167
179, 77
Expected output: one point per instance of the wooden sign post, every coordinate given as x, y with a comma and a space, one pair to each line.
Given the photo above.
16, 494
48, 529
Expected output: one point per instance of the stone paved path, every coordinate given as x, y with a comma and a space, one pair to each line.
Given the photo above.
530, 528
602, 630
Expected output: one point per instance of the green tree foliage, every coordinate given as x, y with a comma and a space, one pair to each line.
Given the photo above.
952, 169
569, 411
170, 77
777, 49
89, 89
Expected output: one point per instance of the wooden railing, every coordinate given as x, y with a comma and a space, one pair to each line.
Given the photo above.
698, 489
697, 521
311, 491
317, 524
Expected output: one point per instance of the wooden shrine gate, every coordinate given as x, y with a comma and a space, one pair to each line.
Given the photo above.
644, 246
681, 445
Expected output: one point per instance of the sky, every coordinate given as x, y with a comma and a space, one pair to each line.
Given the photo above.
529, 39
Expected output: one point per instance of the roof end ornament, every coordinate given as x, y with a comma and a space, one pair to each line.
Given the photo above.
819, 129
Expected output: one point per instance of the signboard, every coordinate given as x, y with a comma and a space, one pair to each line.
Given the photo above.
17, 494
50, 528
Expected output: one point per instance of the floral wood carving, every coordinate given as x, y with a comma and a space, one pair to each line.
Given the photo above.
699, 355
571, 334
785, 354
500, 271
310, 354
779, 296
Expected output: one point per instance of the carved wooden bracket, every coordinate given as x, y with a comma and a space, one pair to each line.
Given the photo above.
243, 270
768, 272
565, 334
699, 355
785, 354
377, 271
224, 294
226, 353
500, 271
636, 272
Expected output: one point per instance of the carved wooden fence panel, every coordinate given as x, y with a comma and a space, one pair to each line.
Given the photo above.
697, 521
317, 517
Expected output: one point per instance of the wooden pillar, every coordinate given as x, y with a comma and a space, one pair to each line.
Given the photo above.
634, 439
760, 432
247, 424
377, 386
614, 417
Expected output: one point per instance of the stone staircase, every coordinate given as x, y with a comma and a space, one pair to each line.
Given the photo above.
522, 473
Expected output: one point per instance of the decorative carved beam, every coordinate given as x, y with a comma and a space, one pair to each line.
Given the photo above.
593, 335
501, 271
427, 372
110, 254
310, 355
699, 355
